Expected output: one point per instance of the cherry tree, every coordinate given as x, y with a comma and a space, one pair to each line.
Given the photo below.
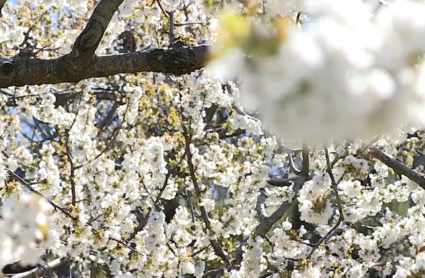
212, 138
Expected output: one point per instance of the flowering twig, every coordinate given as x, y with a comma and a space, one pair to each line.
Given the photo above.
267, 222
31, 189
330, 233
66, 213
214, 243
114, 137
144, 221
71, 161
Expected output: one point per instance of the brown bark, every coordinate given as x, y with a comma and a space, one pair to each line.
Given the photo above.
21, 71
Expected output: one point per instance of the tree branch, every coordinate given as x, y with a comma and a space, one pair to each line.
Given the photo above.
88, 41
39, 271
261, 204
63, 98
218, 250
331, 232
397, 166
267, 222
306, 160
281, 182
19, 71
144, 220
2, 2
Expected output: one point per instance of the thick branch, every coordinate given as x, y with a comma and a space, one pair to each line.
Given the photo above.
19, 71
2, 2
397, 166
39, 271
88, 41
81, 63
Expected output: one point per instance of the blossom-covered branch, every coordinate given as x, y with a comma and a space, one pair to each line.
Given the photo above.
397, 166
266, 223
214, 243
82, 63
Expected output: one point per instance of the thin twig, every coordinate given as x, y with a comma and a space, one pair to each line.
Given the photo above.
110, 141
215, 244
24, 183
334, 184
145, 219
171, 32
71, 161
330, 233
200, 251
368, 144
187, 23
164, 11
292, 165
29, 187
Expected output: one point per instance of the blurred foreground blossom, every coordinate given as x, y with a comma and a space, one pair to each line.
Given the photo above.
24, 226
349, 74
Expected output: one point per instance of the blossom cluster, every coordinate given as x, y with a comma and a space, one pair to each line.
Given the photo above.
165, 176
25, 225
371, 54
